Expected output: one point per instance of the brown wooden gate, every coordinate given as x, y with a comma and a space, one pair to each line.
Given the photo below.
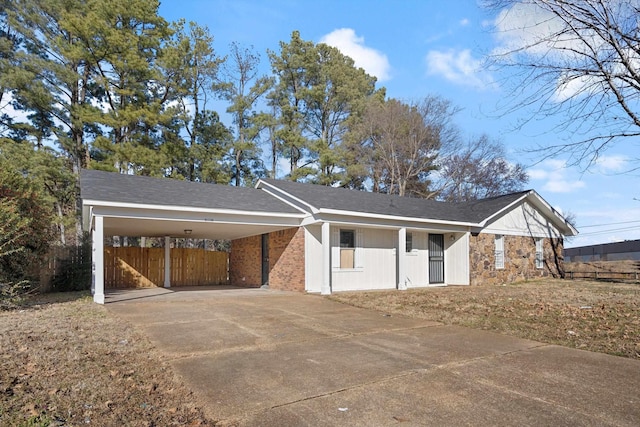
132, 267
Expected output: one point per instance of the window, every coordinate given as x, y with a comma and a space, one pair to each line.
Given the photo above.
347, 248
499, 251
409, 243
539, 253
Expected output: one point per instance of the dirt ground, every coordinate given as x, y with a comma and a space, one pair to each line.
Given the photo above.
65, 361
596, 316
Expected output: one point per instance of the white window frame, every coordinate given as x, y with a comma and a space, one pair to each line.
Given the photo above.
499, 251
335, 248
539, 253
408, 247
351, 247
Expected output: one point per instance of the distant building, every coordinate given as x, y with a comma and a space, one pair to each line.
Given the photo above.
619, 251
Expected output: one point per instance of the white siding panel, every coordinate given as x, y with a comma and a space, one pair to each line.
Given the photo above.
456, 259
378, 263
418, 261
313, 258
523, 220
335, 248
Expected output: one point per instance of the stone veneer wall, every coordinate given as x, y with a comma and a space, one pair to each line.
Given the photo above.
286, 260
519, 259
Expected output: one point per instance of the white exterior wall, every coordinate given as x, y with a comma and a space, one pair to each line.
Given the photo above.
313, 258
523, 220
378, 259
418, 261
456, 259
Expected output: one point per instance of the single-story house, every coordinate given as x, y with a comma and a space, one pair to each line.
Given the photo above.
320, 239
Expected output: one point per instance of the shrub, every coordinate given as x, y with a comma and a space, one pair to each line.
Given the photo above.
25, 235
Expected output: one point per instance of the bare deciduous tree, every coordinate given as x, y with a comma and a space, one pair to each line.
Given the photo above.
578, 61
477, 170
401, 141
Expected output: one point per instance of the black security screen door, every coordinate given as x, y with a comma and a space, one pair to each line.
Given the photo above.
436, 258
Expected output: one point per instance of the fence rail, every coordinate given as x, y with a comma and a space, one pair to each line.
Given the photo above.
603, 275
132, 267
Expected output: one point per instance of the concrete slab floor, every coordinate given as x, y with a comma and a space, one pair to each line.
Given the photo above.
257, 357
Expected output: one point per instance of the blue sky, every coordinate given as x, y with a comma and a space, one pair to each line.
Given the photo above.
418, 48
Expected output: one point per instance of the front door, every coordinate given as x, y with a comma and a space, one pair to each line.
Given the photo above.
436, 258
265, 259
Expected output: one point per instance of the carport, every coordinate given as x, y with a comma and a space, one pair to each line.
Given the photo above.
128, 205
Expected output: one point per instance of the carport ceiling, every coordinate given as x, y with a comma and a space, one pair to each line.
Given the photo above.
199, 229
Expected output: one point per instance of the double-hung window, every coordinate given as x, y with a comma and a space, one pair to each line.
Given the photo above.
409, 243
539, 253
347, 248
499, 251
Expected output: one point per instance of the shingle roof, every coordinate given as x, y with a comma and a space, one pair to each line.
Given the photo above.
115, 187
322, 197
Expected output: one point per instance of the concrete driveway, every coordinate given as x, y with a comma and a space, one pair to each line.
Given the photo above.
267, 358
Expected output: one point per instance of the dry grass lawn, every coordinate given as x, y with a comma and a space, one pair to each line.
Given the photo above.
627, 270
65, 361
595, 316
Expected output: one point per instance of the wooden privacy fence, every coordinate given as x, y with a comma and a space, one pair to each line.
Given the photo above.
604, 275
131, 267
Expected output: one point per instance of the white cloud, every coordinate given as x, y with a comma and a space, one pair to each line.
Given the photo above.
527, 29
458, 67
614, 163
562, 186
464, 22
554, 173
371, 60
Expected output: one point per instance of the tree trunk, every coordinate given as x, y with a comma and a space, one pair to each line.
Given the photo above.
63, 239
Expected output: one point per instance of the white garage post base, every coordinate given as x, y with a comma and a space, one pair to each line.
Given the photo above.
326, 259
97, 260
402, 259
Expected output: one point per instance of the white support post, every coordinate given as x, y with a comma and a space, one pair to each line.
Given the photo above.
402, 259
167, 261
326, 259
97, 260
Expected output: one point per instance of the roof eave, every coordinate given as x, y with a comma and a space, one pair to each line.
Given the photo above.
395, 217
488, 219
283, 195
127, 205
566, 228
572, 231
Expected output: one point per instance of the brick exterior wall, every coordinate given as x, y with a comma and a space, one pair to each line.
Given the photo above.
519, 259
245, 262
286, 260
